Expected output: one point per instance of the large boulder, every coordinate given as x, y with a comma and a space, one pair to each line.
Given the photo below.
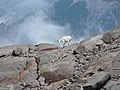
74, 86
46, 46
79, 50
97, 81
92, 42
57, 62
116, 87
107, 38
116, 65
17, 52
63, 64
7, 50
16, 70
11, 70
52, 76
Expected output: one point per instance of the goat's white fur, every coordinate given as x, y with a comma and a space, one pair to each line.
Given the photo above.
65, 40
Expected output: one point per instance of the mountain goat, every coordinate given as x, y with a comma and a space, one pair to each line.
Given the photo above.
65, 40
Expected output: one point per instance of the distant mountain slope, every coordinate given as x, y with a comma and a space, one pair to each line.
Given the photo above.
33, 22
88, 17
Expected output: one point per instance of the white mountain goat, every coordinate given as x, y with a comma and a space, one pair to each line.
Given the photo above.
65, 40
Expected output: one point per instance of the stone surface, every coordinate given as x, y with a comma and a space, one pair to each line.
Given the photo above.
51, 77
7, 50
58, 84
58, 61
97, 81
17, 52
79, 50
107, 38
74, 86
46, 46
11, 69
116, 87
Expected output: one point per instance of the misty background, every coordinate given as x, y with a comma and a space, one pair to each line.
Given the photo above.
45, 21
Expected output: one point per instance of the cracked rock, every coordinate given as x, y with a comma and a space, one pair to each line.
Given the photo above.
17, 52
97, 81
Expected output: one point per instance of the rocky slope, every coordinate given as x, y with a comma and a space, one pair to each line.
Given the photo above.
92, 64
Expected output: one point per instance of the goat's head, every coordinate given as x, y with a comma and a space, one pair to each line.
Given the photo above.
59, 41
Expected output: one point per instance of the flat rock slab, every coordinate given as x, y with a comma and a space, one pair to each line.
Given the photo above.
57, 64
7, 50
46, 46
79, 50
10, 69
96, 81
117, 60
116, 87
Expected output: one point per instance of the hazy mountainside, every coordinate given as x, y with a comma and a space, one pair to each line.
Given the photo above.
32, 22
88, 17
26, 21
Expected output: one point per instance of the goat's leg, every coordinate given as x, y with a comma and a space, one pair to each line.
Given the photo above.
68, 43
64, 45
63, 42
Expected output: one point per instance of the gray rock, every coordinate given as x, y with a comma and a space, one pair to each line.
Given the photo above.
116, 62
79, 50
66, 68
109, 85
2, 55
88, 58
46, 58
4, 88
97, 81
100, 47
46, 46
7, 50
41, 80
17, 52
60, 61
11, 69
73, 86
116, 87
107, 38
116, 65
51, 77
51, 62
